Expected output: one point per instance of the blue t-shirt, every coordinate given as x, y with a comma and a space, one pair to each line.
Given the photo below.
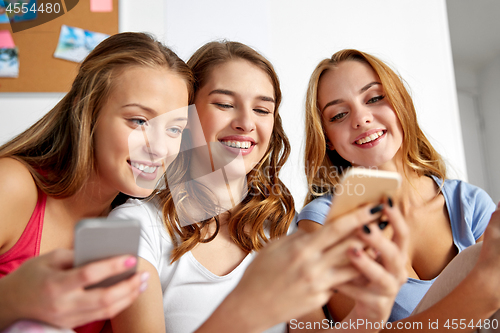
469, 211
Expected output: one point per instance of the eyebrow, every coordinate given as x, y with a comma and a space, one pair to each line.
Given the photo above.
362, 90
181, 119
153, 112
145, 108
231, 93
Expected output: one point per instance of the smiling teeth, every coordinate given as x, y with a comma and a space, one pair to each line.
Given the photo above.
144, 168
370, 138
237, 144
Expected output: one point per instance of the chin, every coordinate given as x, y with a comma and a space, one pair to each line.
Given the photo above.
139, 194
138, 191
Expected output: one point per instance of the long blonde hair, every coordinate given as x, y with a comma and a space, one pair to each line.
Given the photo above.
268, 203
323, 167
58, 149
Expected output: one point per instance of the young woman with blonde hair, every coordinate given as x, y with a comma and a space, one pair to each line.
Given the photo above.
224, 201
359, 113
72, 164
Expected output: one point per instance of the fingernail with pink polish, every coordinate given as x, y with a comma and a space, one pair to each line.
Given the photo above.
356, 252
143, 287
130, 262
144, 276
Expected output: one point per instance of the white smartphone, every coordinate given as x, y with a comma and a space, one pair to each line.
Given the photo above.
360, 186
101, 238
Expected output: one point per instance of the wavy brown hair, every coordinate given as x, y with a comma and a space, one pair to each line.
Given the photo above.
324, 167
268, 203
58, 149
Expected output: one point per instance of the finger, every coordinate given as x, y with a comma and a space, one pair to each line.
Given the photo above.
395, 218
336, 256
372, 271
100, 299
96, 272
334, 231
391, 256
356, 292
338, 276
103, 313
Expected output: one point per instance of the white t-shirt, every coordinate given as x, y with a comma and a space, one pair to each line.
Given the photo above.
190, 291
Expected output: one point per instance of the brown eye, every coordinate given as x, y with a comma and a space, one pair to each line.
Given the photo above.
262, 111
223, 106
338, 116
375, 99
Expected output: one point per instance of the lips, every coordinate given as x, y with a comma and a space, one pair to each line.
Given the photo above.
237, 144
369, 137
145, 170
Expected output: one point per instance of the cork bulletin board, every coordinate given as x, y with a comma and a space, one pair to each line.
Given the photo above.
39, 70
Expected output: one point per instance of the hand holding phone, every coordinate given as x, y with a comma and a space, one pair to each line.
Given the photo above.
360, 186
101, 238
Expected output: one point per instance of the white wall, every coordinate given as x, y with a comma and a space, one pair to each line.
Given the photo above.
473, 126
489, 88
411, 35
20, 110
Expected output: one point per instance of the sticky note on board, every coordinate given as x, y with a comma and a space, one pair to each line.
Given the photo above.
6, 41
101, 5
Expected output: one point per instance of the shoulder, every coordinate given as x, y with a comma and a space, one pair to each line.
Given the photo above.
471, 203
16, 179
147, 212
467, 194
316, 210
18, 198
149, 215
155, 244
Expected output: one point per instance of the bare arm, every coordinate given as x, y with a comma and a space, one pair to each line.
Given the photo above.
146, 313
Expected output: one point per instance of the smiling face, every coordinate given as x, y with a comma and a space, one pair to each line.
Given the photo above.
360, 123
138, 131
236, 111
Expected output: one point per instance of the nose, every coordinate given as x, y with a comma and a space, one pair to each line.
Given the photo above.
155, 143
361, 115
243, 120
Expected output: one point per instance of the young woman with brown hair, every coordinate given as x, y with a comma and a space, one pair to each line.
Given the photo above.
72, 164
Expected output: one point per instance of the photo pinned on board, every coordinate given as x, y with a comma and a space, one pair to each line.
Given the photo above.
75, 43
9, 63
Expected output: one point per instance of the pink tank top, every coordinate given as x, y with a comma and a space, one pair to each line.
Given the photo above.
28, 246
